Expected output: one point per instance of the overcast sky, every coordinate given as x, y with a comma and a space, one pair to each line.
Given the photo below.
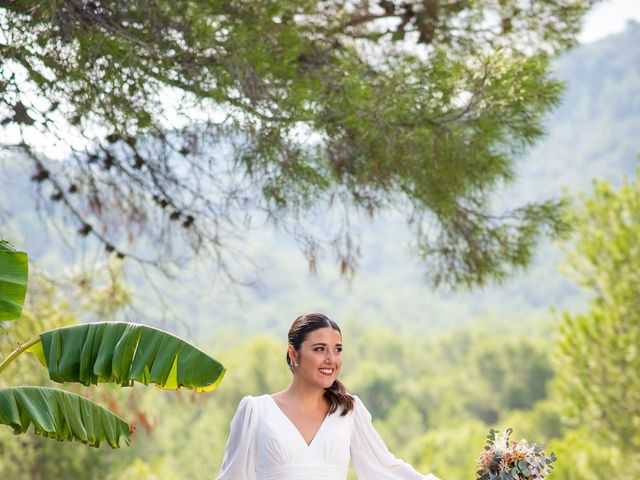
607, 17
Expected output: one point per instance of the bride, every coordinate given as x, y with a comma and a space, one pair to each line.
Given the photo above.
314, 428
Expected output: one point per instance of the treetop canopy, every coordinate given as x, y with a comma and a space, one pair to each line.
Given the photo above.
182, 120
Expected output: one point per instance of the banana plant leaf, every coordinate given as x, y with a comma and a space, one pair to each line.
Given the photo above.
61, 415
13, 281
122, 353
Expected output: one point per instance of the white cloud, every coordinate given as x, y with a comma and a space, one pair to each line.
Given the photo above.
609, 17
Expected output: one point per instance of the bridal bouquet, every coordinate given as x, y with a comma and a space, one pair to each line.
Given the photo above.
510, 460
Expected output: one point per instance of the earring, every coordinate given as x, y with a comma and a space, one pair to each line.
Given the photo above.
295, 364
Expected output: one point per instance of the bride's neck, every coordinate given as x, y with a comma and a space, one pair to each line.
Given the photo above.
306, 394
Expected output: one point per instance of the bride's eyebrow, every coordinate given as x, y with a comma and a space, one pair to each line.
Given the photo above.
322, 344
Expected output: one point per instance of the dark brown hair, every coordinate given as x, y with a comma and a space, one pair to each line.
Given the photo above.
336, 394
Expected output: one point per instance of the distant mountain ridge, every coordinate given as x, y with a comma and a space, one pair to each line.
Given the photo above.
594, 133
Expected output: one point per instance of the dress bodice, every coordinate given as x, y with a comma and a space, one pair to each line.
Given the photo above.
283, 453
265, 445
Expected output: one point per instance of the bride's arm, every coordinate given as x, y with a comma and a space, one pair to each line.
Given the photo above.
239, 457
370, 456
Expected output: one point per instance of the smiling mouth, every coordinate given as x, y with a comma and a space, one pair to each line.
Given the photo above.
326, 371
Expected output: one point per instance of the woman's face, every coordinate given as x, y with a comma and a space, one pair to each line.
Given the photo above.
319, 358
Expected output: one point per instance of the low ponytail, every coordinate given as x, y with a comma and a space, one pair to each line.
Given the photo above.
338, 397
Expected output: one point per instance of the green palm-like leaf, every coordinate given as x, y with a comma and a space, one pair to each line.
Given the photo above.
123, 353
13, 281
61, 415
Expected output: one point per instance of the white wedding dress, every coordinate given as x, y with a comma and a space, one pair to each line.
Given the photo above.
265, 445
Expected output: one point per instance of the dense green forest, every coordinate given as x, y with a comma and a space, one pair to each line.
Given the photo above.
552, 355
434, 398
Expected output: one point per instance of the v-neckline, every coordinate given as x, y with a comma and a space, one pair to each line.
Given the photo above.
315, 435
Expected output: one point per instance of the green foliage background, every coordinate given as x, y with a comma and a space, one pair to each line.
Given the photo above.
437, 370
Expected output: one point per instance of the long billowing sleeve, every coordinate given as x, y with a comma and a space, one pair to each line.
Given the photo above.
239, 457
370, 457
